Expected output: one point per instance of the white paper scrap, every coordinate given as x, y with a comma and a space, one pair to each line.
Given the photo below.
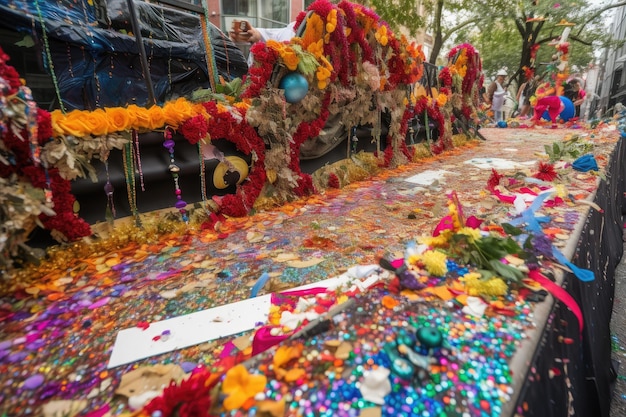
428, 177
497, 163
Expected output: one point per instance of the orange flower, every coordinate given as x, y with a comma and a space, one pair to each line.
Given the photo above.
316, 48
381, 35
442, 99
241, 386
156, 118
69, 124
141, 115
176, 112
331, 21
284, 354
272, 408
118, 119
314, 30
291, 60
389, 302
96, 121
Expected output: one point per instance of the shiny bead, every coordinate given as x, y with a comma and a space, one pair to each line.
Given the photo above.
108, 188
429, 336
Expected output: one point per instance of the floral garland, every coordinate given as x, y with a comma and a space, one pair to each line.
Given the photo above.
426, 106
24, 130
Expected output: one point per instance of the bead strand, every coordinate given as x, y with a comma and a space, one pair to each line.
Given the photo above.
174, 169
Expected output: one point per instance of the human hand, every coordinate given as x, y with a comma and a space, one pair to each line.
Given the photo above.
242, 31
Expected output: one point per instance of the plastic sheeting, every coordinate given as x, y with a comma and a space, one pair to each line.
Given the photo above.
96, 58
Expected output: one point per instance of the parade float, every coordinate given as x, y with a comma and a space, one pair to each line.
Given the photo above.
185, 110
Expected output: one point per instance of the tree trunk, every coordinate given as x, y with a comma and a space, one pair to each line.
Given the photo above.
438, 37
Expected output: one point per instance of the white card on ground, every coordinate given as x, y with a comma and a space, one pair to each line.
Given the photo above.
134, 344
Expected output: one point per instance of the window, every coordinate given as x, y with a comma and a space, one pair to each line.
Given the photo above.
238, 7
274, 13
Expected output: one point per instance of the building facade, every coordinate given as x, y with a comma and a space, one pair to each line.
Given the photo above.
612, 85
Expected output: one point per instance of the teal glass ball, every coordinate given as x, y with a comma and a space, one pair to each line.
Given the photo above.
429, 337
295, 85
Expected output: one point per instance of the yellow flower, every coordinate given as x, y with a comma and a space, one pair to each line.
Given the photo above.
241, 386
440, 241
285, 354
435, 262
274, 315
476, 286
472, 234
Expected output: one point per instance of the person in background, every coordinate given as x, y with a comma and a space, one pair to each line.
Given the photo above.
495, 95
243, 32
574, 92
525, 92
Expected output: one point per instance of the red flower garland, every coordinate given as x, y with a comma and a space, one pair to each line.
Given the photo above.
65, 221
195, 129
222, 125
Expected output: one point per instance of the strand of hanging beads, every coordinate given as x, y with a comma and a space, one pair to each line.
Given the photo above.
174, 169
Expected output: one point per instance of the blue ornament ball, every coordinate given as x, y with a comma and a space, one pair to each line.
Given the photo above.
295, 85
502, 123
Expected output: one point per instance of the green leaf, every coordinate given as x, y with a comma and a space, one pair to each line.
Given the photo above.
507, 272
511, 230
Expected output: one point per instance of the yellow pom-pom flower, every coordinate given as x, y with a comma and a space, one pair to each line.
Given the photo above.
476, 286
435, 262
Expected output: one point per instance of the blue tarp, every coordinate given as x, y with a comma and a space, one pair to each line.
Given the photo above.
96, 59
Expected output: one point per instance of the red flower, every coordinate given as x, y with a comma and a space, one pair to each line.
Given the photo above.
333, 180
546, 172
494, 179
192, 398
195, 129
44, 126
445, 78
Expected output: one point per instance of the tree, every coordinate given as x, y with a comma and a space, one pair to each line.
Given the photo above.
398, 14
535, 24
514, 35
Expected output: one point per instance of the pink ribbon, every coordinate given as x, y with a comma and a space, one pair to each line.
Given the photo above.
263, 339
558, 292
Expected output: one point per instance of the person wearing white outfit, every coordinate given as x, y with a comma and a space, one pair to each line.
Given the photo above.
252, 35
495, 95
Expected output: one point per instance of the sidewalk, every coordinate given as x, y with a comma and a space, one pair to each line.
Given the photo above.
618, 333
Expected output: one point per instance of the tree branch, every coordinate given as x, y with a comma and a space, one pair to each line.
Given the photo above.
598, 13
460, 26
